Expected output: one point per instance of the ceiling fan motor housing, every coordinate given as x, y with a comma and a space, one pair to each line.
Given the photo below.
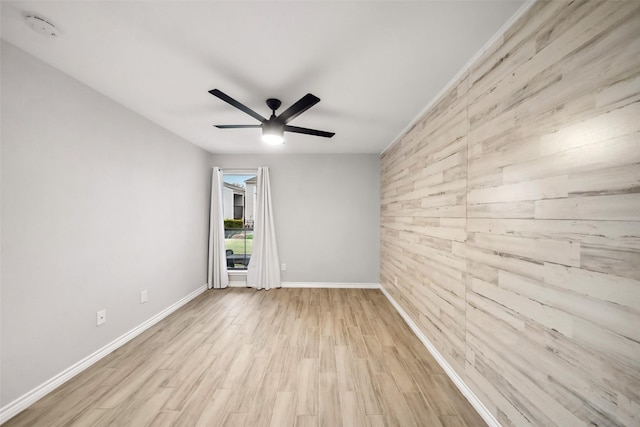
272, 125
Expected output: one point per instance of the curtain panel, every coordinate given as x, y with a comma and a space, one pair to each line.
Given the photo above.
217, 277
264, 268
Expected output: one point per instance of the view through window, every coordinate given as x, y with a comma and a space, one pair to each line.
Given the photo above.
239, 201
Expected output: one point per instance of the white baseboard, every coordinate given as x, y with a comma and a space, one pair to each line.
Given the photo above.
331, 285
23, 402
312, 285
484, 412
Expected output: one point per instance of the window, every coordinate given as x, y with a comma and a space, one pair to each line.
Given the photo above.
239, 197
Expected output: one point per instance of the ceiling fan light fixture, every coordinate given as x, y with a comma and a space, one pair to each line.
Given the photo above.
274, 127
272, 133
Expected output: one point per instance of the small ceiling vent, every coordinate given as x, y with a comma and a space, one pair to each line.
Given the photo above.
41, 26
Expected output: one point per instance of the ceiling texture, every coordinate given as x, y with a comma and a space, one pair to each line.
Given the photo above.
375, 65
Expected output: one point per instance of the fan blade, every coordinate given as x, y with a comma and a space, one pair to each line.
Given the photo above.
302, 105
229, 100
237, 126
296, 129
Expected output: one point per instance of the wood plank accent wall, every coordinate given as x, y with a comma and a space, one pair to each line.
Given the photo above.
511, 219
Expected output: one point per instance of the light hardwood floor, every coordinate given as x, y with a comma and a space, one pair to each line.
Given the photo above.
286, 357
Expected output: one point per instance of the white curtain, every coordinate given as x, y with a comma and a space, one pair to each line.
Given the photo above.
264, 268
217, 276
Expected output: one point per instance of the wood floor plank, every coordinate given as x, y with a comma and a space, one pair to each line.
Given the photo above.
327, 324
139, 406
376, 354
395, 404
183, 391
434, 395
327, 355
307, 421
162, 419
236, 419
145, 413
451, 421
246, 391
421, 410
215, 411
227, 348
291, 372
356, 342
340, 332
195, 405
132, 385
237, 370
261, 410
352, 413
318, 371
284, 410
93, 417
399, 370
345, 368
367, 388
380, 421
311, 343
308, 392
330, 411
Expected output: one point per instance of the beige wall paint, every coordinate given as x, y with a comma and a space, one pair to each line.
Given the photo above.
511, 219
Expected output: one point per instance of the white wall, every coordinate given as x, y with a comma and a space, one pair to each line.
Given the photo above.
327, 213
98, 204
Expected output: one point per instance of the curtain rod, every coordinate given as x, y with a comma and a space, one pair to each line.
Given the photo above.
239, 170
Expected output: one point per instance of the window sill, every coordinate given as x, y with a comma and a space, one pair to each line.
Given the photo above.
237, 272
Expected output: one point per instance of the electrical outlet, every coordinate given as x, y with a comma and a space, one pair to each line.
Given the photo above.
143, 297
283, 267
101, 317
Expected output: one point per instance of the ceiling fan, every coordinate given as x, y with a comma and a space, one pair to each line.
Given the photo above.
274, 127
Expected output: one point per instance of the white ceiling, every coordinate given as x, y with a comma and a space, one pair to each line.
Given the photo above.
374, 64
